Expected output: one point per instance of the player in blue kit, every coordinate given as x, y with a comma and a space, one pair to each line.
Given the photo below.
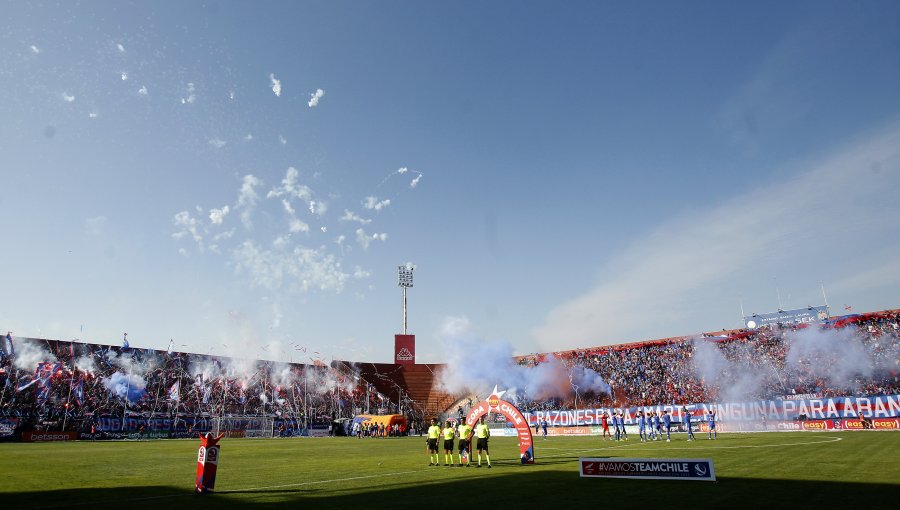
653, 424
622, 422
667, 423
711, 423
642, 422
687, 423
618, 430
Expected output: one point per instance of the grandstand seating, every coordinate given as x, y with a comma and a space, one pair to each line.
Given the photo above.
417, 381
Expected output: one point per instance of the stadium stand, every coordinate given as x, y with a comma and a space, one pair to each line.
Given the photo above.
82, 387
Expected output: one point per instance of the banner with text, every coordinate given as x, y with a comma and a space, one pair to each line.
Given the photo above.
652, 469
884, 406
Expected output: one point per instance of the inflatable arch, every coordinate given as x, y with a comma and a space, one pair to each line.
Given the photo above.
494, 404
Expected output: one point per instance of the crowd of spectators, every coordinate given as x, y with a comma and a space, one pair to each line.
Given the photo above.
61, 384
51, 384
859, 357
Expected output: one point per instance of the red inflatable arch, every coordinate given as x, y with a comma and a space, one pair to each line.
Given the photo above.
494, 404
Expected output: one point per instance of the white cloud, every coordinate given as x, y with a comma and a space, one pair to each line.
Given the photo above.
287, 206
191, 97
282, 139
415, 182
352, 216
402, 170
247, 198
298, 226
315, 97
323, 229
276, 85
318, 207
67, 98
228, 234
674, 274
217, 143
340, 240
364, 239
124, 76
35, 49
373, 203
299, 270
93, 115
217, 216
248, 137
143, 90
360, 273
189, 226
120, 47
291, 188
95, 226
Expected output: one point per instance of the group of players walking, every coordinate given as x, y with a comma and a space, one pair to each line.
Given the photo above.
465, 432
652, 425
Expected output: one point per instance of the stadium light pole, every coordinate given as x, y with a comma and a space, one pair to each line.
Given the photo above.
405, 281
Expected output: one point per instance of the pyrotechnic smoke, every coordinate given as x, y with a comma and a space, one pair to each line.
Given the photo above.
741, 379
86, 364
834, 355
475, 365
29, 354
120, 384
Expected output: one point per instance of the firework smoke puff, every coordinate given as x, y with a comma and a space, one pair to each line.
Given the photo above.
120, 384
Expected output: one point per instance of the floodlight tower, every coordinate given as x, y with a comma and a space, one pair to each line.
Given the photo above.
405, 281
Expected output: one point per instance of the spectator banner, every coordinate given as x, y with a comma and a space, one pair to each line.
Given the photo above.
8, 427
652, 469
798, 316
405, 349
760, 411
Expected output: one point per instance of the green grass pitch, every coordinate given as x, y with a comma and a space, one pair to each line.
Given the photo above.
761, 471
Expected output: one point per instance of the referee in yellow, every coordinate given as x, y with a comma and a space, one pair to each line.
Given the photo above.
483, 433
434, 432
449, 434
465, 436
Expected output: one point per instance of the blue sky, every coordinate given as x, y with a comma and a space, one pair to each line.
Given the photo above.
585, 174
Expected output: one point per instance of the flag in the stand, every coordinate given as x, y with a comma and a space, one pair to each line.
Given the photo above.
7, 347
78, 392
125, 341
171, 346
175, 391
27, 385
42, 375
848, 308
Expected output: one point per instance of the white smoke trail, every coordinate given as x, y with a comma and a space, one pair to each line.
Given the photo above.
29, 354
834, 355
475, 365
120, 385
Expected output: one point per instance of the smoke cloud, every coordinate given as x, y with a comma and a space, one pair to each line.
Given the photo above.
120, 385
476, 366
29, 354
